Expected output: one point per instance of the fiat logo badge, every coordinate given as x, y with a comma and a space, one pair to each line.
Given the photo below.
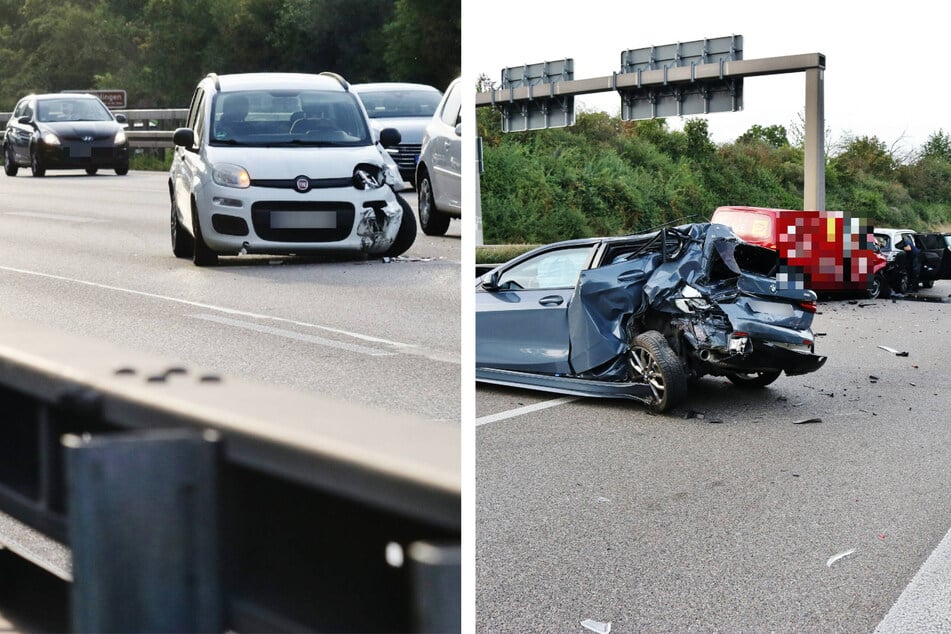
302, 184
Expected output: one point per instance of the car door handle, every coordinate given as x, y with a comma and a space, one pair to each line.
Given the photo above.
631, 276
552, 300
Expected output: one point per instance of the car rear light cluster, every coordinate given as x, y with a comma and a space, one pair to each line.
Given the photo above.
809, 306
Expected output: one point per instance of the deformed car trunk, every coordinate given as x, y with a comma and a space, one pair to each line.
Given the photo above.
714, 298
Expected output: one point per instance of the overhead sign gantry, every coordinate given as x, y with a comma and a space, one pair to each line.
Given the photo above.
697, 77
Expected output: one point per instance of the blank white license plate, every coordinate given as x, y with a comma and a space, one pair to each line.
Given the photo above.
303, 220
80, 151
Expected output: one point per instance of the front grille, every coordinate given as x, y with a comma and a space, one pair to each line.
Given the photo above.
406, 155
291, 183
261, 219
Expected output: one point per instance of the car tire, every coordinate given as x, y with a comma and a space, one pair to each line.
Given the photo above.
10, 167
406, 234
753, 379
431, 221
884, 288
877, 288
927, 284
122, 170
202, 255
92, 171
653, 362
36, 164
183, 245
902, 283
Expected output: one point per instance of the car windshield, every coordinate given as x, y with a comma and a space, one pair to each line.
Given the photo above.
269, 118
388, 104
52, 110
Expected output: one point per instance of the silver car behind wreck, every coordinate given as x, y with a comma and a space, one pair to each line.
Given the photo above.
637, 316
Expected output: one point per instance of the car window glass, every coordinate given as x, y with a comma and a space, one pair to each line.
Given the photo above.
198, 125
382, 104
65, 109
20, 109
450, 112
269, 117
553, 269
195, 110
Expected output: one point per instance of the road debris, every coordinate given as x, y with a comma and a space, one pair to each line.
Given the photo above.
872, 378
835, 558
893, 351
596, 626
603, 499
694, 414
807, 420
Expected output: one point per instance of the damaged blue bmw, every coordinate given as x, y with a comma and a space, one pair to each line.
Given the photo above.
639, 316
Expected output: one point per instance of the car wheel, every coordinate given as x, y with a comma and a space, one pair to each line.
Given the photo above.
884, 288
36, 164
753, 379
902, 284
183, 246
654, 363
202, 255
875, 290
92, 170
10, 166
406, 234
432, 222
122, 170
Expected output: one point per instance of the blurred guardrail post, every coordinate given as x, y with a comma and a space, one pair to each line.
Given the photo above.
176, 499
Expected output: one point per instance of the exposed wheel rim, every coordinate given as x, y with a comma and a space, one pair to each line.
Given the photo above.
425, 195
646, 368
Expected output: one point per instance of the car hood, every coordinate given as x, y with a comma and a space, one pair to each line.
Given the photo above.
79, 129
288, 162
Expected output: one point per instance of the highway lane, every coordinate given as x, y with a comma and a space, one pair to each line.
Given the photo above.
91, 255
726, 515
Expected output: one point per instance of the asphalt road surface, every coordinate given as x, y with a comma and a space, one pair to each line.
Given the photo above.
731, 514
92, 255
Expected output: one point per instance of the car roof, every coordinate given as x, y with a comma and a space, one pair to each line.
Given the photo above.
392, 86
61, 95
286, 81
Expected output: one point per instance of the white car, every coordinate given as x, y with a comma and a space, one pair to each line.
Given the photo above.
284, 163
406, 107
439, 171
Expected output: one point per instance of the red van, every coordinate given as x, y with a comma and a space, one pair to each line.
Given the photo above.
819, 250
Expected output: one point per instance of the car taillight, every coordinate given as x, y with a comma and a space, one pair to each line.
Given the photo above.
808, 306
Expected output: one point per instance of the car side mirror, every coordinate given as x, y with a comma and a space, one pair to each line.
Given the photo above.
184, 137
458, 129
491, 281
25, 120
121, 118
390, 137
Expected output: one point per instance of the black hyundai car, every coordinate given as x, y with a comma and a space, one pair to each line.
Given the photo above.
64, 131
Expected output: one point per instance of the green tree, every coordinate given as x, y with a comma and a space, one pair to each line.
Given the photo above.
423, 41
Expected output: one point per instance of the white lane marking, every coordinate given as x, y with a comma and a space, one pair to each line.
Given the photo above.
925, 604
57, 217
220, 309
528, 409
290, 334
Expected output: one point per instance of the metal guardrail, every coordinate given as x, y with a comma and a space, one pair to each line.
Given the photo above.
175, 499
148, 128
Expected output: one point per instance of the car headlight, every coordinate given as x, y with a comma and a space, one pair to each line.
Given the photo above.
366, 176
229, 175
50, 139
120, 138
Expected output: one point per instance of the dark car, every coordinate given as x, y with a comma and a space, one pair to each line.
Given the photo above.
933, 258
638, 316
64, 131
